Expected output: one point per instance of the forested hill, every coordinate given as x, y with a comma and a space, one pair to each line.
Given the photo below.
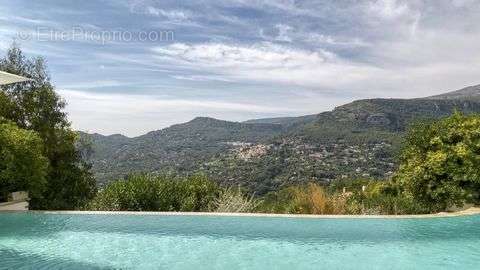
357, 139
177, 148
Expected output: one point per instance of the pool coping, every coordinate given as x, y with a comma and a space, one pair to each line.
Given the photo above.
467, 212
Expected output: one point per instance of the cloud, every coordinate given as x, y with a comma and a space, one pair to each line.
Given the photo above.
152, 8
28, 21
268, 62
288, 6
130, 103
336, 41
94, 84
174, 15
387, 67
201, 78
388, 9
258, 56
283, 32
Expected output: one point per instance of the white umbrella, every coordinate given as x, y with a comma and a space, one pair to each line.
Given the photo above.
7, 78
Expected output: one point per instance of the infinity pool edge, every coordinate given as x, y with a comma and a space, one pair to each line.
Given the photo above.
467, 212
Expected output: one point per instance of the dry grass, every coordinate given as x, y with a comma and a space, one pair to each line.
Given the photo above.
312, 199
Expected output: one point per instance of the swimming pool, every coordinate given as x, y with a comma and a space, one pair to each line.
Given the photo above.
62, 241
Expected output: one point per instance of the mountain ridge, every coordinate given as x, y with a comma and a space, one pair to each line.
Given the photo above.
357, 139
472, 91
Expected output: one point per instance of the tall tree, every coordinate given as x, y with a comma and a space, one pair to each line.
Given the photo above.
22, 164
440, 162
35, 105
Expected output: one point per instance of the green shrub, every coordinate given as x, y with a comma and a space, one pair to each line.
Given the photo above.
440, 162
380, 198
197, 193
22, 164
279, 202
157, 193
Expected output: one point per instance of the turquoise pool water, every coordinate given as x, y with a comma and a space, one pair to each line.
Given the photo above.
52, 241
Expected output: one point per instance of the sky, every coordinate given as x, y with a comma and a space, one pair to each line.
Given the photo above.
133, 66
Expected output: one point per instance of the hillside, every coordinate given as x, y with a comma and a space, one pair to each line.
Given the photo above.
358, 139
471, 92
381, 115
179, 147
285, 121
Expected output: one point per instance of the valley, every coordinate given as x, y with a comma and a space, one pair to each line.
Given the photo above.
356, 140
